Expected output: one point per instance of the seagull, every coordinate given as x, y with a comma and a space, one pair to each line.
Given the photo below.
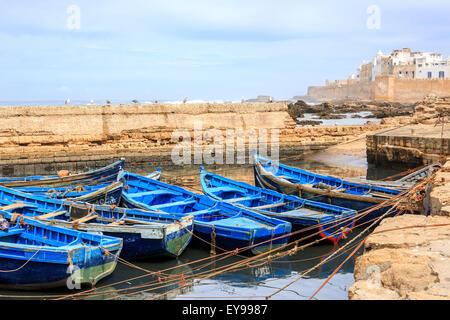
185, 100
108, 102
156, 101
68, 101
135, 101
91, 102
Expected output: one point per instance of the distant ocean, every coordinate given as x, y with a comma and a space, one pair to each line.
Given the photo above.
103, 102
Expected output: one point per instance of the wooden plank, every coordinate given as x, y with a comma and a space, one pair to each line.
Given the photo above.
254, 197
273, 205
135, 221
13, 206
381, 195
51, 215
85, 219
115, 223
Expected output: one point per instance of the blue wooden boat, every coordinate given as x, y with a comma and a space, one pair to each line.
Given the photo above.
403, 183
105, 175
332, 222
230, 227
327, 189
34, 255
155, 175
107, 194
145, 234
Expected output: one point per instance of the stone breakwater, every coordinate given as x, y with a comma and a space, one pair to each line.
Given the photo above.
409, 263
39, 140
419, 139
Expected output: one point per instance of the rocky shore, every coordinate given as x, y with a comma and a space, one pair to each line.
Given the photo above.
411, 262
327, 110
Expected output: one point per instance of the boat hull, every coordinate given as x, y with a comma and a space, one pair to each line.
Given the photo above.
233, 226
102, 195
104, 175
137, 246
306, 216
41, 275
144, 234
227, 240
355, 202
35, 255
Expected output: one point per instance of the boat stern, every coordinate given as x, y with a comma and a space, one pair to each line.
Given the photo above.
178, 235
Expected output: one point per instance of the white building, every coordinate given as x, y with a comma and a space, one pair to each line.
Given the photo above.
403, 57
378, 67
404, 63
432, 66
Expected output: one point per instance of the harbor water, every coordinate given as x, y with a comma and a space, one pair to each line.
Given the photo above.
251, 281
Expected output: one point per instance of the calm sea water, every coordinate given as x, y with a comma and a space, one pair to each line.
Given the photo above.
100, 102
349, 119
250, 282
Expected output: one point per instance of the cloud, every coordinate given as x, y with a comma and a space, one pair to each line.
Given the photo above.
206, 48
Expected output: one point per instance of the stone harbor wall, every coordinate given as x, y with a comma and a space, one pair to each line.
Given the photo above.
409, 263
383, 88
419, 139
45, 139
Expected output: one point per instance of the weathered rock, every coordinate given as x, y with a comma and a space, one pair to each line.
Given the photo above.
309, 122
406, 257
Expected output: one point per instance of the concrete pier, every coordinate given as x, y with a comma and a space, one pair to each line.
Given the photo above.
411, 145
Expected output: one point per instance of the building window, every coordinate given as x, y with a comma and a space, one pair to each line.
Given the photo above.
429, 75
441, 75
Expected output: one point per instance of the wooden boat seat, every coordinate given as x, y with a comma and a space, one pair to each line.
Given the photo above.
50, 215
380, 195
255, 197
138, 221
308, 213
171, 204
11, 232
208, 211
268, 206
151, 193
284, 177
84, 219
226, 189
17, 205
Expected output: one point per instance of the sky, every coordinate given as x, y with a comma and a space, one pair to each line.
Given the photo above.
201, 49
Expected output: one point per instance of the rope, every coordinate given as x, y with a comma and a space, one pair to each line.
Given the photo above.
6, 271
213, 241
351, 241
363, 241
233, 266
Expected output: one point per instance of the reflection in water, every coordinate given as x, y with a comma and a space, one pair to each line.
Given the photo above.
250, 280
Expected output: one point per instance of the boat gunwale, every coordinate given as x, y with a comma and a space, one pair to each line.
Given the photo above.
331, 193
339, 211
46, 180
